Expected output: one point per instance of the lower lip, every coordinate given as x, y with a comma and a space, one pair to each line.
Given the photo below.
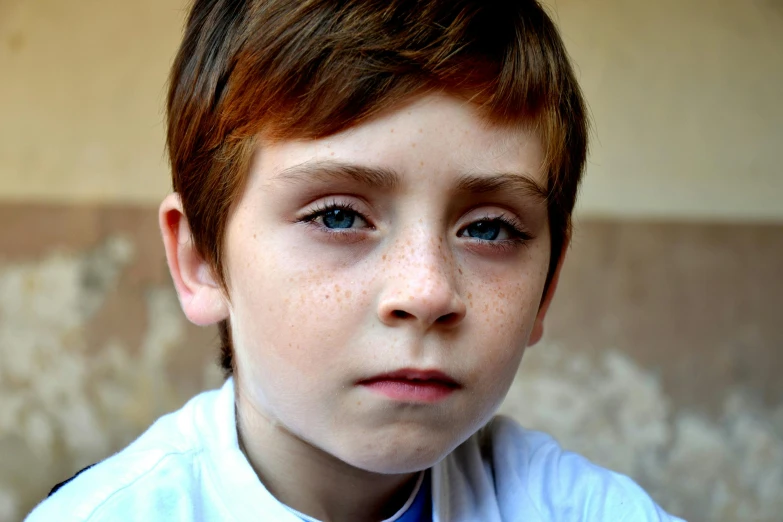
411, 391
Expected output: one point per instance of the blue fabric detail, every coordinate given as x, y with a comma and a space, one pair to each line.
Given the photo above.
421, 509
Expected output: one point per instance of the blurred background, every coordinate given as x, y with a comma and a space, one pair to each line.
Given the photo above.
662, 358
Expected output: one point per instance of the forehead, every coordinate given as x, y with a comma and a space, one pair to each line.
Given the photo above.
436, 134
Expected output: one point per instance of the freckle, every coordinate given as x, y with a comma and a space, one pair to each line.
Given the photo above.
413, 145
383, 257
358, 403
347, 294
421, 131
254, 236
326, 296
470, 296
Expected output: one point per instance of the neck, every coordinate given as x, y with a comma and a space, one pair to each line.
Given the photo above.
311, 481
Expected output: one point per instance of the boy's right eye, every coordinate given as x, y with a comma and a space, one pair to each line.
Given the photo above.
336, 217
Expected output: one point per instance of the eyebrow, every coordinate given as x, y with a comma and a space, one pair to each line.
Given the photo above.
335, 171
329, 171
515, 185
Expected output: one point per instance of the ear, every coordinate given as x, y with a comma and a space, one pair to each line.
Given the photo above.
201, 297
538, 326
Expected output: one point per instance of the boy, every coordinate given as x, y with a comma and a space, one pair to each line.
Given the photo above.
372, 201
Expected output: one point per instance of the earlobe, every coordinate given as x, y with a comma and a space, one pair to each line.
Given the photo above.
538, 327
201, 297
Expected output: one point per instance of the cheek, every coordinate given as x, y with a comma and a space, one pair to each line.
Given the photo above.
507, 305
504, 307
293, 311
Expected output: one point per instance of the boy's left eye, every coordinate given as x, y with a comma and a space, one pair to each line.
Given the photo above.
486, 230
492, 230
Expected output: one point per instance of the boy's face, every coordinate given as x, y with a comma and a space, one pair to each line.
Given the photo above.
417, 242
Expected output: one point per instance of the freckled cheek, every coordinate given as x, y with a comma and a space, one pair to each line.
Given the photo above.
298, 306
501, 296
503, 309
502, 319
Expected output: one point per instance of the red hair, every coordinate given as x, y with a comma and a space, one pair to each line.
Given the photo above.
286, 69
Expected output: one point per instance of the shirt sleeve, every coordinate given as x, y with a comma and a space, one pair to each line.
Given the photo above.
560, 485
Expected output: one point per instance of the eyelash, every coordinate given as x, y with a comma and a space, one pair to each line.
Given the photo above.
514, 229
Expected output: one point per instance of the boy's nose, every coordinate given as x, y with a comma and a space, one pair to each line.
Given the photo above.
420, 288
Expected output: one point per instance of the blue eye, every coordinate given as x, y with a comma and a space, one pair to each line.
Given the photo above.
498, 231
338, 218
485, 230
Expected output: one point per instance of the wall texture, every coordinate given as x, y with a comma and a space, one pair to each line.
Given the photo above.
82, 96
661, 358
684, 94
685, 99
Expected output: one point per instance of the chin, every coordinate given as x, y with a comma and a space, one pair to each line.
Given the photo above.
397, 457
394, 465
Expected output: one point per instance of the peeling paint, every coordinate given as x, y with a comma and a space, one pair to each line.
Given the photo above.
69, 397
71, 406
616, 413
9, 509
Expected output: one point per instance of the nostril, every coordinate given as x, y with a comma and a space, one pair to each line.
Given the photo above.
400, 314
448, 319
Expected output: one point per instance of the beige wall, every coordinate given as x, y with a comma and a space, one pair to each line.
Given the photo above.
685, 97
661, 358
81, 98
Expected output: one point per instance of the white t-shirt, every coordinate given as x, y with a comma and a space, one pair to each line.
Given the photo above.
188, 467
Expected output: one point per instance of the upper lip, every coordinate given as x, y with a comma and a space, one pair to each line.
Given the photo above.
414, 374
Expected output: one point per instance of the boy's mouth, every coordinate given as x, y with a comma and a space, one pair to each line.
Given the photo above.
412, 385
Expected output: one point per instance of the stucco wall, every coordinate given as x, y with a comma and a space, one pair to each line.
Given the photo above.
82, 96
661, 358
684, 94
